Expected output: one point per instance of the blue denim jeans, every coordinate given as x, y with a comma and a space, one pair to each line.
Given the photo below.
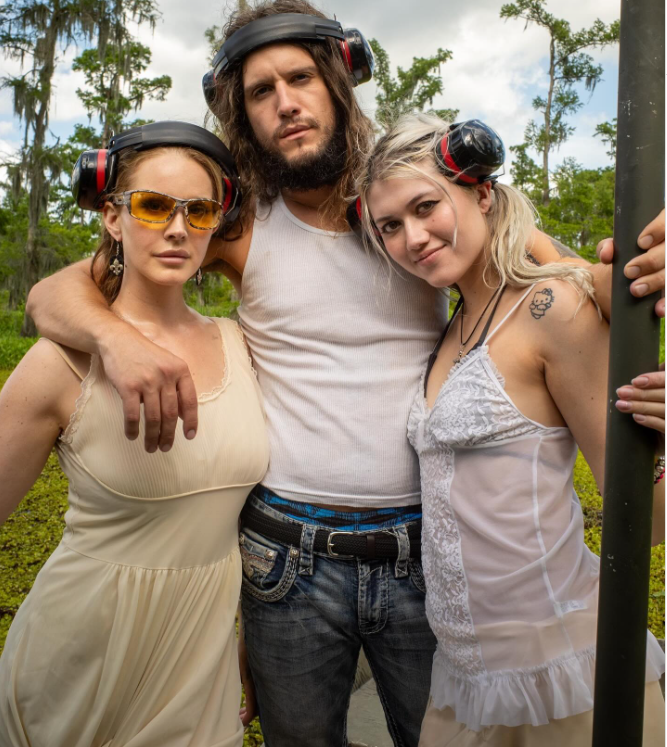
307, 615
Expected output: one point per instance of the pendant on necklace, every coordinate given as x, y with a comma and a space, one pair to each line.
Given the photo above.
460, 357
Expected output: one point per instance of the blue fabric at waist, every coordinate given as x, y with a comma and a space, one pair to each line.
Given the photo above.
350, 521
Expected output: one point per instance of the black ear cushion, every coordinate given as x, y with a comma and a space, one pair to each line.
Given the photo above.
90, 178
209, 88
470, 152
358, 56
353, 216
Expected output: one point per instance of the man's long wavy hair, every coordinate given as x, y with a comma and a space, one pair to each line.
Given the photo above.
229, 109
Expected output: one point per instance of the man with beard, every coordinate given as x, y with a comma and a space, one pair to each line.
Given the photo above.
330, 542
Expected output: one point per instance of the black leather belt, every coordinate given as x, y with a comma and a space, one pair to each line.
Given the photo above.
337, 544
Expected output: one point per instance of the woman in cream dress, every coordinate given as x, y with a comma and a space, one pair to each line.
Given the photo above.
127, 638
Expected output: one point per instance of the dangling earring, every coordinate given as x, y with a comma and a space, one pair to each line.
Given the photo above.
198, 277
116, 265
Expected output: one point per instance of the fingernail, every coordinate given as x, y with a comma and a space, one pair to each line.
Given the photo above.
152, 449
632, 272
639, 290
190, 434
623, 405
639, 418
645, 242
640, 381
624, 392
165, 448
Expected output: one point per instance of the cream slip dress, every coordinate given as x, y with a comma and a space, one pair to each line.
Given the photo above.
511, 586
127, 638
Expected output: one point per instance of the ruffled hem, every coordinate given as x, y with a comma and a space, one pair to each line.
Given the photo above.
561, 688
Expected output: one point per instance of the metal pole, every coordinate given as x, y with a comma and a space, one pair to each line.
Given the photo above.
628, 494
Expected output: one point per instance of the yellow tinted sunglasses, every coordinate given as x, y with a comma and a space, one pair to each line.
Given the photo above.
155, 207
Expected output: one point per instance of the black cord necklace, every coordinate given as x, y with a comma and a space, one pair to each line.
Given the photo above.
467, 340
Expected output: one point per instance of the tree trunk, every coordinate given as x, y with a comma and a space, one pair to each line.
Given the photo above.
39, 187
547, 124
30, 277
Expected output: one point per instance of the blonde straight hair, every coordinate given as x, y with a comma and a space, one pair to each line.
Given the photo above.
411, 144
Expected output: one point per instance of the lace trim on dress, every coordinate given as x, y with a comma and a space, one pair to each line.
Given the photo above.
469, 410
217, 390
67, 435
447, 599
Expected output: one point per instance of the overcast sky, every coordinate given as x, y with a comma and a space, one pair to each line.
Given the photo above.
497, 66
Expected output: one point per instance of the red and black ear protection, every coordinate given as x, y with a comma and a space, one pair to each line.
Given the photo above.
94, 175
353, 216
355, 50
469, 153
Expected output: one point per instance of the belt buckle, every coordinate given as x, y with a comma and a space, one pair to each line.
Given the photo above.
330, 550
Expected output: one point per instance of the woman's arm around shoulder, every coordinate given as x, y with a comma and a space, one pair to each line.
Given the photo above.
35, 405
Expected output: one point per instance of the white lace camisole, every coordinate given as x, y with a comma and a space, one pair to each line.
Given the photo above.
511, 586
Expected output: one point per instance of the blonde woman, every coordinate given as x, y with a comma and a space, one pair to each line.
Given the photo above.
516, 382
127, 636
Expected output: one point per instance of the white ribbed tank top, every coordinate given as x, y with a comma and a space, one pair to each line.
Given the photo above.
339, 343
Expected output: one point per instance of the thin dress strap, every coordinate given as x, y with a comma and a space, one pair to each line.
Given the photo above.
512, 310
438, 344
66, 358
485, 331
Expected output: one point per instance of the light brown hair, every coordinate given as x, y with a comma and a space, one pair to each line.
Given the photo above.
229, 108
128, 162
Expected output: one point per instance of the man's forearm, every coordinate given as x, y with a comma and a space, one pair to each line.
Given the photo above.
69, 308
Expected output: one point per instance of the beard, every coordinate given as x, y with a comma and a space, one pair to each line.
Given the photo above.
311, 171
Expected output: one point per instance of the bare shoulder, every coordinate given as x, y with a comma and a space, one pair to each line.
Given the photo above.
44, 383
563, 314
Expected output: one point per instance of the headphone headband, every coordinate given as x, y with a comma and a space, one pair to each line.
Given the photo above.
274, 28
185, 134
355, 51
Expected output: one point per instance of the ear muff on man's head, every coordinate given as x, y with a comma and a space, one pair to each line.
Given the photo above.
470, 152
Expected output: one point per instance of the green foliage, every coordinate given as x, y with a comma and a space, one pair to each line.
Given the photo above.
27, 539
113, 88
591, 503
608, 131
13, 348
568, 66
215, 297
412, 89
580, 212
32, 32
